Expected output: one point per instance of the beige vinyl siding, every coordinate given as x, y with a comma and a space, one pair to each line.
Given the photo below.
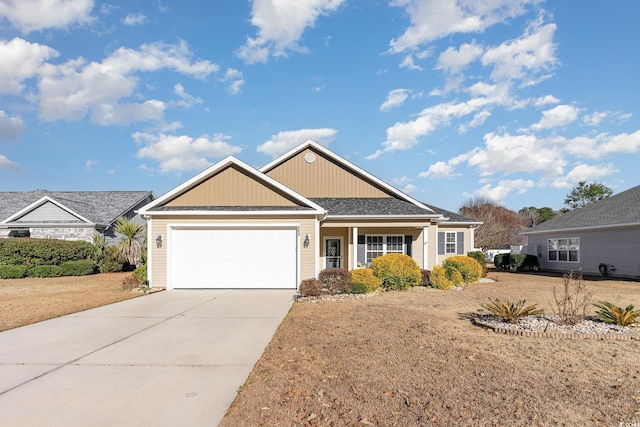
322, 178
160, 225
231, 187
417, 245
445, 228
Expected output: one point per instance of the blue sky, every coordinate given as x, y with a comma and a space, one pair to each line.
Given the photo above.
510, 100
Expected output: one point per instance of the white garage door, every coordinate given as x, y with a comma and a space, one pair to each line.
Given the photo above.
233, 258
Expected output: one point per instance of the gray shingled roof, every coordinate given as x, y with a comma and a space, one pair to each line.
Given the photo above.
369, 206
99, 207
453, 217
622, 208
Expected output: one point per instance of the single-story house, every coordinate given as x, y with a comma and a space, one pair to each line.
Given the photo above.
600, 238
310, 209
68, 215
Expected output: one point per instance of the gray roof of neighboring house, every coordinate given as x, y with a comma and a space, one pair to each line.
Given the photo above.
99, 207
619, 209
369, 206
453, 217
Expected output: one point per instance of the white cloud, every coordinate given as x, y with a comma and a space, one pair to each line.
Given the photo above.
19, 61
10, 127
404, 184
76, 88
438, 170
183, 153
395, 98
478, 120
557, 116
134, 19
187, 101
281, 24
584, 172
595, 118
35, 15
505, 187
545, 100
6, 164
517, 153
286, 140
525, 57
453, 61
89, 164
409, 188
235, 79
435, 19
622, 143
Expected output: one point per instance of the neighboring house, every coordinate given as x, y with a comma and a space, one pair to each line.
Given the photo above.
236, 226
68, 215
602, 237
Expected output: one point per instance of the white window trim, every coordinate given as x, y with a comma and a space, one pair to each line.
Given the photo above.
384, 244
557, 251
455, 243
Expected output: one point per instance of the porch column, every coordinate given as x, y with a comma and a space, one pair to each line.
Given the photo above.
354, 260
425, 248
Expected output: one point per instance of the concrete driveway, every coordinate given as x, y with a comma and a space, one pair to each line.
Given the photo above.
167, 359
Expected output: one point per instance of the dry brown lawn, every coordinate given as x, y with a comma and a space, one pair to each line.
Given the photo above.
30, 300
413, 358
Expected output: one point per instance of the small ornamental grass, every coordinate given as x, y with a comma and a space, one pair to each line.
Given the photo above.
610, 313
509, 311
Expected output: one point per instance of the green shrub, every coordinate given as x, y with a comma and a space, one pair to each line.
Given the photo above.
438, 278
482, 260
509, 311
31, 252
44, 271
141, 274
311, 288
523, 262
12, 271
397, 271
335, 280
363, 281
454, 275
469, 268
424, 281
110, 265
502, 261
82, 267
611, 313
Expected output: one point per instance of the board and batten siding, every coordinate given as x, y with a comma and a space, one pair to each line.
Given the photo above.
160, 225
322, 178
619, 247
231, 187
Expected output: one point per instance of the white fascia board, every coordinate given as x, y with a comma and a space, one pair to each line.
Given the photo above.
218, 166
589, 228
41, 201
310, 143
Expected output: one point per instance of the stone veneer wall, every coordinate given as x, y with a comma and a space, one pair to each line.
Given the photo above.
63, 233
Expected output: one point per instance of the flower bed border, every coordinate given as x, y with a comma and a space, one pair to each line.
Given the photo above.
561, 335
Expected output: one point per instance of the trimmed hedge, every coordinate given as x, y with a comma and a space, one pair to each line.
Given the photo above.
32, 252
397, 271
364, 281
469, 268
12, 271
335, 280
311, 288
516, 262
110, 265
82, 267
482, 260
438, 278
141, 274
44, 271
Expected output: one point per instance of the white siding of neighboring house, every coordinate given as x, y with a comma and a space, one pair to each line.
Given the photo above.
48, 212
619, 247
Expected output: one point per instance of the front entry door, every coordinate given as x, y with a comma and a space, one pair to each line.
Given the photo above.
333, 255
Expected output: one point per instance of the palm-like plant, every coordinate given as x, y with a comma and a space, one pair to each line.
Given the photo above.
611, 313
509, 311
130, 245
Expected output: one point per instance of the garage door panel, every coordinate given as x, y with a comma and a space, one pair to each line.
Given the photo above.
234, 258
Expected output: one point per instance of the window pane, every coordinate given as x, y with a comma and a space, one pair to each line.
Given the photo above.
562, 256
573, 256
395, 244
562, 244
553, 256
553, 244
574, 244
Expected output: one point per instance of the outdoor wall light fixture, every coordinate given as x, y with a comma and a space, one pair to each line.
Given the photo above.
159, 241
306, 241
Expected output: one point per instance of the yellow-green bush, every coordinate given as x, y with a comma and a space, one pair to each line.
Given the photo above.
363, 281
470, 269
438, 278
454, 275
397, 271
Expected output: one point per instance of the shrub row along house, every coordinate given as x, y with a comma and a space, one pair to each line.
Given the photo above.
600, 238
236, 226
70, 215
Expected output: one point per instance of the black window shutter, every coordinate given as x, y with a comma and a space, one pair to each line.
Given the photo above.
362, 256
460, 243
407, 241
441, 242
